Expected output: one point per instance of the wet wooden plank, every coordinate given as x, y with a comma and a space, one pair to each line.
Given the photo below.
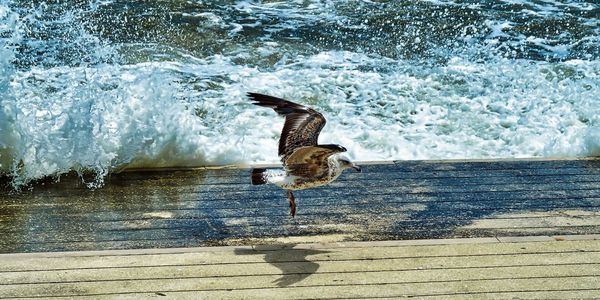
450, 269
403, 200
412, 185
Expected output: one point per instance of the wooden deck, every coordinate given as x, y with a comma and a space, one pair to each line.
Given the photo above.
447, 229
431, 269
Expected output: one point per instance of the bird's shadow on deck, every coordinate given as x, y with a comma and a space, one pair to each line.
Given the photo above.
293, 263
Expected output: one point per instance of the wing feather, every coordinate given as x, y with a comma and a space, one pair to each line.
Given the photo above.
302, 124
311, 161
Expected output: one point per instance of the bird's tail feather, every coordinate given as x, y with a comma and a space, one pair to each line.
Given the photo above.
258, 176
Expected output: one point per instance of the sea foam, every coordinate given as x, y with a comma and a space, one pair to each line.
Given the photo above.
106, 109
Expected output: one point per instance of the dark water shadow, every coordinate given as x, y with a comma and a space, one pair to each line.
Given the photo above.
292, 262
132, 210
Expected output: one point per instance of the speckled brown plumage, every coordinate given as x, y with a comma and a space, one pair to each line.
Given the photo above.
306, 163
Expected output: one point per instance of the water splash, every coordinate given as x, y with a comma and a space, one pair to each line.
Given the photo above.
99, 86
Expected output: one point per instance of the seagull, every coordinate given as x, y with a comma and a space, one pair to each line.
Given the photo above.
306, 164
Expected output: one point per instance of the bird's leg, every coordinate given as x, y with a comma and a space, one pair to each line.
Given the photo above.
292, 203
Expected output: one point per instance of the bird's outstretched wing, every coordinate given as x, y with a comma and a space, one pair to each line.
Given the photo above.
302, 124
311, 161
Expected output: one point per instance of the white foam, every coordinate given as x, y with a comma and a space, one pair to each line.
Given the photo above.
461, 110
8, 34
109, 117
592, 142
105, 117
94, 120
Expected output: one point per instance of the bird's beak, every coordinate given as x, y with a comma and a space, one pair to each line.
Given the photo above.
357, 168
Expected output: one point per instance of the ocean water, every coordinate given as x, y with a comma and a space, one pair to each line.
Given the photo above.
102, 85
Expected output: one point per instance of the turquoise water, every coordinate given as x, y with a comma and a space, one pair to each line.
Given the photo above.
103, 85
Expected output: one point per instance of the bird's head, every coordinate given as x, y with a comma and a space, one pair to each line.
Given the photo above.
345, 163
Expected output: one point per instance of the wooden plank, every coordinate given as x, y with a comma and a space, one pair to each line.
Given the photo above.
438, 183
293, 293
406, 200
563, 217
93, 204
451, 270
359, 186
541, 219
561, 277
388, 173
281, 253
540, 264
384, 171
136, 208
170, 237
310, 206
270, 197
